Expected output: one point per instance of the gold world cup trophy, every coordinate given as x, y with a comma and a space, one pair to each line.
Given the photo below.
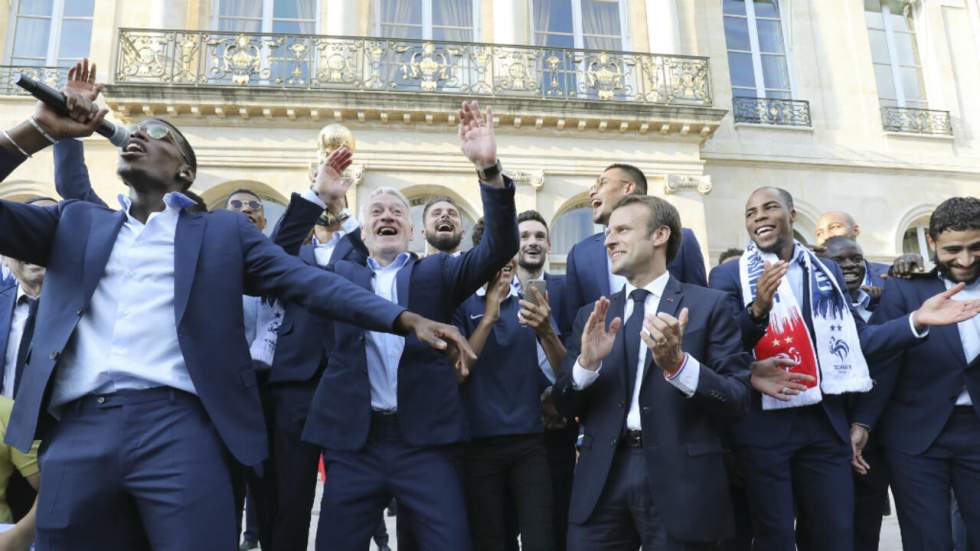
332, 137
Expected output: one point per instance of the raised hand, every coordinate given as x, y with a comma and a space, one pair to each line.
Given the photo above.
476, 137
497, 291
597, 340
536, 313
941, 309
81, 81
664, 336
330, 184
84, 115
773, 378
766, 287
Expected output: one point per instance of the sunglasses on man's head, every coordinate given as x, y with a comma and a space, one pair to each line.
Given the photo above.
239, 205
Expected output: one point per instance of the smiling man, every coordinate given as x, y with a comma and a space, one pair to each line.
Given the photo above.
797, 453
442, 225
248, 203
925, 408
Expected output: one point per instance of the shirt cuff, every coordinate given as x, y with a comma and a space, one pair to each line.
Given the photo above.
918, 335
686, 378
312, 197
351, 224
581, 377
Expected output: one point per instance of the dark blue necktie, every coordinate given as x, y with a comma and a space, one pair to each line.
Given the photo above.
25, 342
631, 336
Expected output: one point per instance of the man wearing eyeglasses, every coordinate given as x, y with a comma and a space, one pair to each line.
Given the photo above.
139, 382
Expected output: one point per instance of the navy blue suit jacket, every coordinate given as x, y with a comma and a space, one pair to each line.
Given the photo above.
768, 428
306, 339
218, 257
917, 387
587, 273
681, 435
8, 300
429, 408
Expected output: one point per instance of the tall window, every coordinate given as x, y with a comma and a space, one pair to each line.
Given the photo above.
914, 240
593, 24
51, 32
756, 51
275, 16
452, 20
570, 227
894, 54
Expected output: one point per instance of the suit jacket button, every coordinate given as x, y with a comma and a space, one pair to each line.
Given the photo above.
79, 312
612, 444
622, 405
646, 409
54, 355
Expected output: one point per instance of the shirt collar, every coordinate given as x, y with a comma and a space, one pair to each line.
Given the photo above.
656, 287
21, 294
975, 286
400, 261
174, 201
863, 299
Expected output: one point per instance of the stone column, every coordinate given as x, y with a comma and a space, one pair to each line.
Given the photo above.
510, 24
687, 192
348, 18
168, 14
663, 27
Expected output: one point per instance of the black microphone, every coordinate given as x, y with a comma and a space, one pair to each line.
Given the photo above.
56, 100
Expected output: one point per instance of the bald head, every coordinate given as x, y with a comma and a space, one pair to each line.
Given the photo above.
836, 224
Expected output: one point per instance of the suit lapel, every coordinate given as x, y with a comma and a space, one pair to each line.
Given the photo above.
101, 238
187, 247
307, 254
8, 299
599, 264
340, 252
403, 279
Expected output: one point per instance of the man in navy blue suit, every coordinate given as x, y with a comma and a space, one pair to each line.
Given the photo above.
925, 408
387, 411
801, 456
653, 396
588, 271
140, 351
841, 224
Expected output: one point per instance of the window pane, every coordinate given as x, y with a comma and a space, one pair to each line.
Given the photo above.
293, 27
745, 92
778, 94
766, 8
872, 15
886, 84
737, 33
240, 8
76, 36
912, 85
452, 13
570, 228
774, 70
601, 18
294, 9
240, 25
79, 8
555, 40
553, 16
740, 66
879, 46
905, 49
31, 37
452, 34
401, 31
770, 36
735, 7
35, 7
897, 17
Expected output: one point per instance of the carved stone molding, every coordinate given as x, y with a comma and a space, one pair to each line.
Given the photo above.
675, 183
533, 178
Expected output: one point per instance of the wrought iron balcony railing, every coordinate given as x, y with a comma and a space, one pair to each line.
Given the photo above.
916, 121
312, 62
780, 112
52, 76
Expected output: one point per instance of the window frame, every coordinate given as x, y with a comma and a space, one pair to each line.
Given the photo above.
267, 19
755, 50
893, 62
578, 29
426, 20
57, 18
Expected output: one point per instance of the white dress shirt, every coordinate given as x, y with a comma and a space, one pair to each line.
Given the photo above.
127, 338
268, 319
685, 379
384, 350
17, 322
861, 305
969, 332
323, 251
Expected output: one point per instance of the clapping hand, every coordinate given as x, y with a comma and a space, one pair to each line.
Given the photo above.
664, 336
766, 287
597, 340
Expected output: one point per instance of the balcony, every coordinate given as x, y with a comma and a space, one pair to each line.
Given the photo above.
772, 111
908, 120
290, 75
52, 76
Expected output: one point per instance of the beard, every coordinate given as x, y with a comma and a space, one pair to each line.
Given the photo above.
528, 265
445, 243
945, 271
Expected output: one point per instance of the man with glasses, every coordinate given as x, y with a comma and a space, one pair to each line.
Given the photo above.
139, 350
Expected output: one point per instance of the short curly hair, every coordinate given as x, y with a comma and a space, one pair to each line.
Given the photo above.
955, 214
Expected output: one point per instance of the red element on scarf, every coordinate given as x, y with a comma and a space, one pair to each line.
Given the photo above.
790, 339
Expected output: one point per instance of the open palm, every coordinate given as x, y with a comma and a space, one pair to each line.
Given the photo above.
476, 137
597, 339
81, 80
942, 309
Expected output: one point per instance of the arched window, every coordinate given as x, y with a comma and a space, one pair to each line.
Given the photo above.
418, 244
914, 240
571, 226
272, 203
